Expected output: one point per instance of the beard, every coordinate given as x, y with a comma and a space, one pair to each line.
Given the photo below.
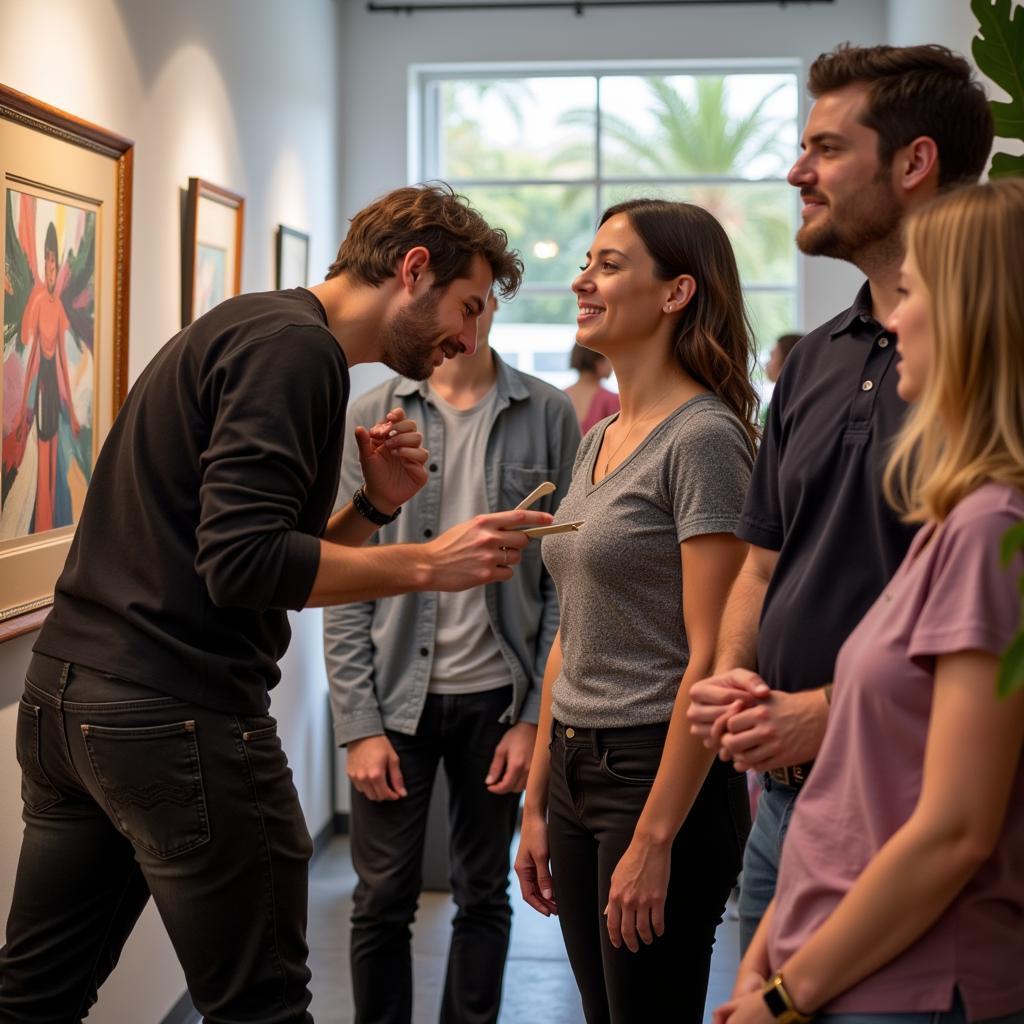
850, 226
410, 337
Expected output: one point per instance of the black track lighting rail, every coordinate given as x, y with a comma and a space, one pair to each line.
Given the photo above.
577, 6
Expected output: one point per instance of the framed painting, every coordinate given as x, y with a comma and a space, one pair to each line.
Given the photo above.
211, 248
65, 228
292, 264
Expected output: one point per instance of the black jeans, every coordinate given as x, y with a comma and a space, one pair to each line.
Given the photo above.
387, 851
129, 792
600, 780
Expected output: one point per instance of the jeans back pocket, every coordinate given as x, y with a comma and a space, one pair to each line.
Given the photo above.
152, 782
37, 792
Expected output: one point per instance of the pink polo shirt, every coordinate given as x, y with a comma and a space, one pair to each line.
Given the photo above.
949, 595
604, 403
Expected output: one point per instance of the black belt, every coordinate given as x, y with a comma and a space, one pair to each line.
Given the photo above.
794, 776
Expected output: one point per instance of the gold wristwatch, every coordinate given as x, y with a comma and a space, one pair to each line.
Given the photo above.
778, 1001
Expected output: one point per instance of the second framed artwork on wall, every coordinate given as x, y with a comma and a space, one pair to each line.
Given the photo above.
211, 248
292, 263
65, 227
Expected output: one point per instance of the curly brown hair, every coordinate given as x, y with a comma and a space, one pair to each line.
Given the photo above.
432, 215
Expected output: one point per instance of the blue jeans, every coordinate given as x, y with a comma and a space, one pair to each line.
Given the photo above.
762, 855
130, 793
956, 1015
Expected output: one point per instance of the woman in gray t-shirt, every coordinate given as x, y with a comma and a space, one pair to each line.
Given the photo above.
644, 842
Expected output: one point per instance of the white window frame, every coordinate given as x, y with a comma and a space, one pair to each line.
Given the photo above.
422, 134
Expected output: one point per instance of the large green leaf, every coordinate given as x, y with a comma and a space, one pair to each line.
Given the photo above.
1011, 668
1006, 166
1012, 542
999, 51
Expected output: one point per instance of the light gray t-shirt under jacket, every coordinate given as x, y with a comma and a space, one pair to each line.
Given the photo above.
619, 578
467, 658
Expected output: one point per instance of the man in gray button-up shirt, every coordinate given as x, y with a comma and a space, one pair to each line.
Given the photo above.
428, 677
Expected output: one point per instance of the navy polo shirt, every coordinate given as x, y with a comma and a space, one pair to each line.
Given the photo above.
816, 495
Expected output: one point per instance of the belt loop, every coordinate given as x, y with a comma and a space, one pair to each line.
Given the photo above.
594, 742
62, 685
65, 673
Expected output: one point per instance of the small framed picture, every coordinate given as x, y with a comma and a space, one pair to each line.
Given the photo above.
211, 248
292, 258
65, 229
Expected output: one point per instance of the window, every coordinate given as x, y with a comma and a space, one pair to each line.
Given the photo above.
541, 153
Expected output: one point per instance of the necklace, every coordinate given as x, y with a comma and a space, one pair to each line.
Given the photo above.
643, 419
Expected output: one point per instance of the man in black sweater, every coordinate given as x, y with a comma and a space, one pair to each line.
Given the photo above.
149, 761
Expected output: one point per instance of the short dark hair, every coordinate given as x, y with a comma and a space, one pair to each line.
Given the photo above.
584, 360
436, 217
785, 343
913, 91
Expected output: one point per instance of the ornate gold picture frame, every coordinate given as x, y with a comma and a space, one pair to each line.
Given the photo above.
65, 228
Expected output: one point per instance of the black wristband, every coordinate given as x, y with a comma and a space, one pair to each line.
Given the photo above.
362, 504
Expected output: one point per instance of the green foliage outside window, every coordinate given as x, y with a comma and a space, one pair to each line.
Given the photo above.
999, 52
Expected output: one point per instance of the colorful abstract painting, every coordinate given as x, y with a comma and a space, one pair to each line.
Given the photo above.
211, 277
48, 363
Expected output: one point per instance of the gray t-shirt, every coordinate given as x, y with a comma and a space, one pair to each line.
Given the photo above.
619, 578
467, 658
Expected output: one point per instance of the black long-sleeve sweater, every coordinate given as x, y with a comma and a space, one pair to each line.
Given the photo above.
202, 520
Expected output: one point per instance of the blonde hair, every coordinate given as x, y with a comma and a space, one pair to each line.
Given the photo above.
967, 426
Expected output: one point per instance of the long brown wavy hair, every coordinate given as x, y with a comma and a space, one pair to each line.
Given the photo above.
713, 341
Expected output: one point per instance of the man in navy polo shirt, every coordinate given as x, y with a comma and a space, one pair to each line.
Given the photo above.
889, 129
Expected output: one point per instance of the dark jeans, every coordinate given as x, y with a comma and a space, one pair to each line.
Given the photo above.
129, 792
600, 780
387, 851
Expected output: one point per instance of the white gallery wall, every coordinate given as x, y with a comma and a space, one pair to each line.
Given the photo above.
245, 94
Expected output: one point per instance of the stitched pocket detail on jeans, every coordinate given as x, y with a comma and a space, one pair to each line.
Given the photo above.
37, 792
153, 785
253, 735
632, 765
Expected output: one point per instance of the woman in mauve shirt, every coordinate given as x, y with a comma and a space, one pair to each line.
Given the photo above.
591, 401
901, 888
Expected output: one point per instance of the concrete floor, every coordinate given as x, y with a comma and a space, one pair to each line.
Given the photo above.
538, 983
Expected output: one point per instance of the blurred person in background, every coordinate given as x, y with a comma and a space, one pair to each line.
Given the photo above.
592, 401
783, 346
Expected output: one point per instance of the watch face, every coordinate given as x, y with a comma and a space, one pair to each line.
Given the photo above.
774, 1001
